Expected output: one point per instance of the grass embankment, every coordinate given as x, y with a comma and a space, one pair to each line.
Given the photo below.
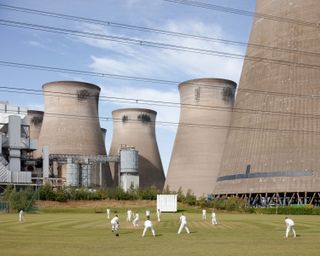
90, 234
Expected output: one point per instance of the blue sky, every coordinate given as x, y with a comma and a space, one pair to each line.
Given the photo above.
65, 51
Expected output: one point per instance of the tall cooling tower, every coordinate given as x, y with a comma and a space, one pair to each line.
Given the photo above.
71, 127
274, 141
35, 119
71, 124
136, 127
206, 106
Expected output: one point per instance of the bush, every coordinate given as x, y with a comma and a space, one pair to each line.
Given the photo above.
148, 193
20, 200
235, 204
288, 210
46, 192
61, 196
190, 198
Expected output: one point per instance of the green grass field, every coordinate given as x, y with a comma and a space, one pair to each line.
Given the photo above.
83, 233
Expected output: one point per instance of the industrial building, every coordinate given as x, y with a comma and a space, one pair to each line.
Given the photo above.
206, 106
272, 151
135, 127
66, 143
16, 145
72, 134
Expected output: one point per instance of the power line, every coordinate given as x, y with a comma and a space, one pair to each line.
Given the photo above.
127, 40
244, 12
160, 103
147, 29
180, 124
140, 79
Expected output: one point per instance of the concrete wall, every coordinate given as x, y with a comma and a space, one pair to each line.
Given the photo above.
280, 129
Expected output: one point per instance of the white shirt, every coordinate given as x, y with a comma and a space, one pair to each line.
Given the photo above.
183, 219
289, 222
148, 224
137, 216
115, 220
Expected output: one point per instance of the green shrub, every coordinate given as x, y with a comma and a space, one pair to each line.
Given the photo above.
61, 196
288, 210
180, 196
46, 192
235, 204
148, 193
20, 200
190, 198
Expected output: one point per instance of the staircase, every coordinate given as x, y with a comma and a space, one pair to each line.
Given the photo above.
4, 171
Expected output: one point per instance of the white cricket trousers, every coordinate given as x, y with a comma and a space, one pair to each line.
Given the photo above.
183, 225
288, 231
152, 230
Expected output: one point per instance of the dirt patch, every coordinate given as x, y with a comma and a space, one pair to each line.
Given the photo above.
82, 204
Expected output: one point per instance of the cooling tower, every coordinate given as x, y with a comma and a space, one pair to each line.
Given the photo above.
71, 123
206, 107
71, 127
274, 142
35, 119
136, 127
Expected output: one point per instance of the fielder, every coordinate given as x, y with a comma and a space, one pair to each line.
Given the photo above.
148, 225
108, 213
213, 218
158, 214
115, 225
129, 215
135, 220
204, 214
21, 216
148, 213
290, 226
183, 224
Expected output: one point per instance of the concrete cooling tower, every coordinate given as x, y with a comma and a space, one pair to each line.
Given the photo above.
35, 119
72, 132
206, 106
274, 141
136, 127
71, 124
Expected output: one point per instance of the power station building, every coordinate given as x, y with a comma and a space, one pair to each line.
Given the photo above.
135, 127
16, 145
206, 106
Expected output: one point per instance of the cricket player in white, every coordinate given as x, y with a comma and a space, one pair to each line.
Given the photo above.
204, 214
129, 215
21, 216
183, 224
108, 213
115, 224
158, 214
148, 213
148, 225
135, 220
290, 226
213, 218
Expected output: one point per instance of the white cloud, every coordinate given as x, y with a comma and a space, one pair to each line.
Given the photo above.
136, 60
